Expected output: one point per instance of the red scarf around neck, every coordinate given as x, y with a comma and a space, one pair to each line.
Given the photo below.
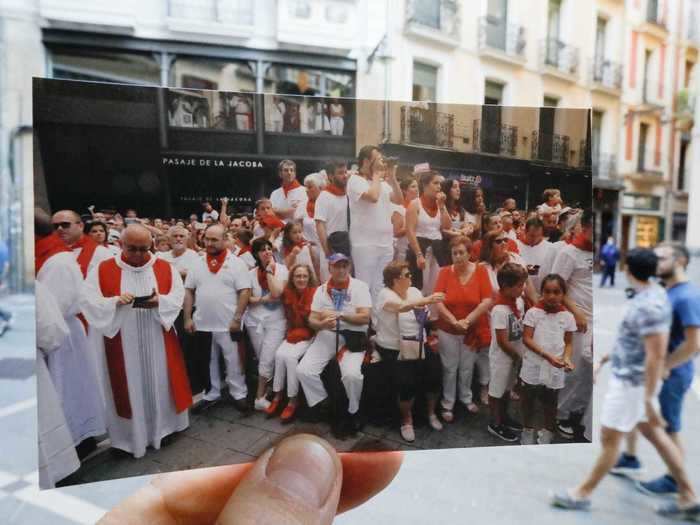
582, 243
262, 278
330, 285
542, 306
335, 190
429, 205
406, 202
506, 301
288, 249
245, 249
45, 248
297, 307
88, 245
286, 188
215, 263
311, 208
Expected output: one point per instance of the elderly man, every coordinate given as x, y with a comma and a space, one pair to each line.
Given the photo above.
133, 301
73, 366
70, 228
286, 199
180, 256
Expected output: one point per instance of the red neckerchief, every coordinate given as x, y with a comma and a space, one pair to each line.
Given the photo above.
542, 306
406, 202
511, 303
582, 243
245, 249
123, 257
88, 246
45, 248
286, 188
215, 263
430, 206
311, 208
288, 249
330, 286
298, 305
262, 278
335, 190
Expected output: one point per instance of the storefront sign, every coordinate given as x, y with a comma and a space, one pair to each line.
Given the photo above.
210, 163
647, 232
636, 201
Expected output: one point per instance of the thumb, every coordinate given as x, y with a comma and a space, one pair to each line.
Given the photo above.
297, 482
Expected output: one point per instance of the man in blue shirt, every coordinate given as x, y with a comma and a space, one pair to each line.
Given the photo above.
609, 255
683, 346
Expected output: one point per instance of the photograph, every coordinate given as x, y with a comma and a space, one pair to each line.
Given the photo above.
386, 275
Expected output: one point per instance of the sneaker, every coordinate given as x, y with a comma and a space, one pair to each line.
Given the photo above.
512, 424
564, 500
663, 486
627, 466
566, 429
434, 422
527, 437
407, 433
673, 510
262, 404
502, 432
544, 437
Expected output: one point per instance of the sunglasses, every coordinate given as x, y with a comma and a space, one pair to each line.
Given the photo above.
63, 225
406, 275
499, 241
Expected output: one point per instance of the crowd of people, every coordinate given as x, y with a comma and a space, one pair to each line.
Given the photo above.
356, 294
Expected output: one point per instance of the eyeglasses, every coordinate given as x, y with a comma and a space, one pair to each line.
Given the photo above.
406, 275
499, 241
63, 225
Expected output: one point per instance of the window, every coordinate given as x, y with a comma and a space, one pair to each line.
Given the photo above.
287, 80
596, 132
550, 101
683, 165
299, 8
205, 73
553, 19
493, 93
427, 12
645, 87
600, 34
642, 148
105, 66
679, 226
424, 82
496, 30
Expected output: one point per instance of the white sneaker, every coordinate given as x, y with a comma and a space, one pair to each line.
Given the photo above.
407, 433
435, 422
261, 404
544, 437
527, 437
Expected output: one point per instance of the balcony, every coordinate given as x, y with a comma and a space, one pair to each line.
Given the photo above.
559, 59
502, 41
605, 166
654, 21
323, 25
501, 140
652, 94
606, 76
427, 127
230, 18
550, 147
685, 109
434, 20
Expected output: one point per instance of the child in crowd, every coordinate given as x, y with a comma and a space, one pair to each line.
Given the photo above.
506, 349
552, 202
162, 244
547, 332
296, 250
242, 239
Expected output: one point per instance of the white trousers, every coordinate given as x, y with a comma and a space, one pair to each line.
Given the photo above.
266, 339
317, 356
458, 361
430, 273
578, 386
369, 262
286, 362
235, 377
337, 125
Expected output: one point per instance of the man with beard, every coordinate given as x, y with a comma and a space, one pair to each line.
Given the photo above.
218, 287
332, 212
132, 301
286, 199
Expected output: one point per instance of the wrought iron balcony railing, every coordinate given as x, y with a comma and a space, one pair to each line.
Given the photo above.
606, 73
502, 140
550, 147
427, 127
560, 55
605, 166
495, 33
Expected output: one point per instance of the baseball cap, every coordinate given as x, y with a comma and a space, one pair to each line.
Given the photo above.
337, 257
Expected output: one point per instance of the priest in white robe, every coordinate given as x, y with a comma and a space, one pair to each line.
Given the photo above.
132, 301
74, 365
57, 456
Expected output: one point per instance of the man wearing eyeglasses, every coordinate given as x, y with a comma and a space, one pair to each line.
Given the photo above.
131, 303
70, 229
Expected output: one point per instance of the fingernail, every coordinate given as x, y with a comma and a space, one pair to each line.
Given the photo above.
304, 469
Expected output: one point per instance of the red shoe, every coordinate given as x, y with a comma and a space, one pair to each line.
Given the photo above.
288, 413
272, 409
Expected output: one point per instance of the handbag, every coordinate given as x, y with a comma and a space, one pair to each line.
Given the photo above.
411, 347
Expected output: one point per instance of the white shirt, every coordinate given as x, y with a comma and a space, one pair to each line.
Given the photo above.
333, 210
576, 267
541, 255
428, 227
391, 326
185, 261
549, 336
216, 294
100, 254
270, 312
308, 224
493, 275
503, 318
358, 296
294, 199
370, 222
213, 214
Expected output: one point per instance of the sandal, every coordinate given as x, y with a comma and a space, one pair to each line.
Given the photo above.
472, 408
448, 416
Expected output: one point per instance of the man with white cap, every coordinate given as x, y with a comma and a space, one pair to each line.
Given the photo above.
340, 314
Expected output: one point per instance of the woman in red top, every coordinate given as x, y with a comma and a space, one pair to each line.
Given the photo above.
296, 298
462, 327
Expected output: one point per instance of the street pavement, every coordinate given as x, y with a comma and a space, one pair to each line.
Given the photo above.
496, 485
